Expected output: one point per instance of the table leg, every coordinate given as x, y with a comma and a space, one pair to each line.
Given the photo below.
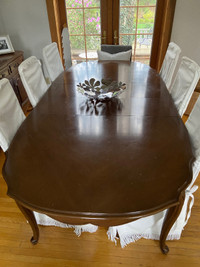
29, 215
170, 218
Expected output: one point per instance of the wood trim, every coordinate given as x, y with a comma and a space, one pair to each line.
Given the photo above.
58, 26
63, 14
162, 31
107, 21
52, 20
197, 89
56, 10
116, 14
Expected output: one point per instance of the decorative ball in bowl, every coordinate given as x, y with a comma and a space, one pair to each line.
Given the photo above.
104, 90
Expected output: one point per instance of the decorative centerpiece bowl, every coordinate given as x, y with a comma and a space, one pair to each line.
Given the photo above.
104, 90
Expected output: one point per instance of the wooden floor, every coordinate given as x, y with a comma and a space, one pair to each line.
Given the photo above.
61, 247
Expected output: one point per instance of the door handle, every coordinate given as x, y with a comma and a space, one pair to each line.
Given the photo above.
103, 37
115, 37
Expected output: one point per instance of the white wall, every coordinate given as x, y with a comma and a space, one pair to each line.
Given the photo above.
26, 22
186, 28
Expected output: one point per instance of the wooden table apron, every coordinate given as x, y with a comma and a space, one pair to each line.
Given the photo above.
106, 164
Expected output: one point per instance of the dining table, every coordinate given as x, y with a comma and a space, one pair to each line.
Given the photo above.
107, 162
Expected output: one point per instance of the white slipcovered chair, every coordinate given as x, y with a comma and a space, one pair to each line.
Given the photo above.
169, 63
33, 79
52, 61
184, 84
11, 114
66, 48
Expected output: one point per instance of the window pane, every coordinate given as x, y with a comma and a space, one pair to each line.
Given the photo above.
93, 43
146, 19
91, 3
127, 40
147, 2
92, 21
75, 21
128, 20
74, 3
128, 2
143, 47
77, 46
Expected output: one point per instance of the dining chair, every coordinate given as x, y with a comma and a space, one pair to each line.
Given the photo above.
52, 61
169, 63
150, 227
32, 77
115, 52
66, 48
11, 114
184, 84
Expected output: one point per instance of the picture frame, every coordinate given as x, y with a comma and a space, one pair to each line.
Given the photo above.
5, 45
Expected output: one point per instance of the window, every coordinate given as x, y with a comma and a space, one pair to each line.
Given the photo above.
84, 25
136, 23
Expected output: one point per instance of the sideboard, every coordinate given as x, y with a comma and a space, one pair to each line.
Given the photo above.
9, 69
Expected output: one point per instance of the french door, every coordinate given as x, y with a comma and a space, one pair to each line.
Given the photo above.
129, 22
95, 22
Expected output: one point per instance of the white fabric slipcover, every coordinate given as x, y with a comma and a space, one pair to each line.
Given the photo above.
11, 114
169, 63
184, 84
52, 61
66, 48
193, 127
33, 79
43, 219
121, 56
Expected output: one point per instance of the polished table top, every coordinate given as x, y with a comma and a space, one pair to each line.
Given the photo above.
121, 159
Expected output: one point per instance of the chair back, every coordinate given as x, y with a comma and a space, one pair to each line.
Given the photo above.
169, 63
52, 61
115, 52
11, 114
33, 79
66, 48
184, 84
113, 49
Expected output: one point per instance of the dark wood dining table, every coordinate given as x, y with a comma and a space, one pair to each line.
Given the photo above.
106, 163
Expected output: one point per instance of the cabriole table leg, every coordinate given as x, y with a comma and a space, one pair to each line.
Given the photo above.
170, 218
32, 221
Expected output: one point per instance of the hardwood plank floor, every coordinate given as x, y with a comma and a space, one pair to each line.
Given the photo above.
61, 247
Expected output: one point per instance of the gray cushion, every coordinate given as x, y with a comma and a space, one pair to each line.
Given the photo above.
113, 49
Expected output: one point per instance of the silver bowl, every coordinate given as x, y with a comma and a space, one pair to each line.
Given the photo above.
104, 90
